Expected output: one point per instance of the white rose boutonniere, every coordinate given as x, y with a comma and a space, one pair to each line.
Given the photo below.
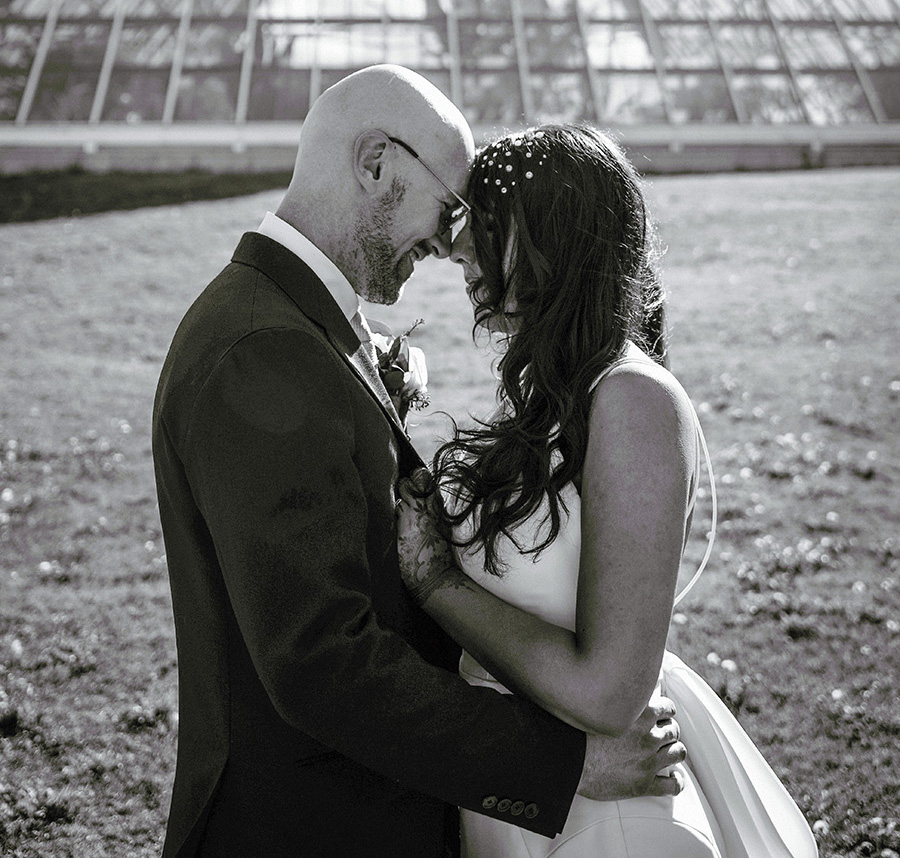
402, 368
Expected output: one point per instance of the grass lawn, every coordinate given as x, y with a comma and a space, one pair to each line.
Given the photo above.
785, 304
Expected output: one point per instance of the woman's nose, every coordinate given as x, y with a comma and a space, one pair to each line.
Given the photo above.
461, 250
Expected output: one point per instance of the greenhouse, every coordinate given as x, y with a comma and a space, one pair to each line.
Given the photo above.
224, 84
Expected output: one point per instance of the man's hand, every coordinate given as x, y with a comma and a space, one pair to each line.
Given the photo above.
636, 762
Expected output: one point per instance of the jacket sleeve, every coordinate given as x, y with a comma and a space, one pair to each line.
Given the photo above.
271, 454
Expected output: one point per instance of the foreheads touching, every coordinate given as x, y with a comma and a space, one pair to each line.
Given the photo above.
384, 157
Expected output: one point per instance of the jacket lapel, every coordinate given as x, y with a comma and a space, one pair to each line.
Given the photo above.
362, 365
298, 281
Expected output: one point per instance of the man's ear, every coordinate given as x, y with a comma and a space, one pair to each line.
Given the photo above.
369, 154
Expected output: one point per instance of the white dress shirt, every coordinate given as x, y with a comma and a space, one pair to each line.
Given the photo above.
339, 286
291, 238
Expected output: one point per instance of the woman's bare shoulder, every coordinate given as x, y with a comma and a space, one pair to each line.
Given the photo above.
638, 385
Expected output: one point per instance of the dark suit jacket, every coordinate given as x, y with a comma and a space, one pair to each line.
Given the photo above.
320, 712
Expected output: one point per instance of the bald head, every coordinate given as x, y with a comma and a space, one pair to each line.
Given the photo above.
346, 162
392, 99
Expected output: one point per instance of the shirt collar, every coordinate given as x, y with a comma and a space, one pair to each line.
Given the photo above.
291, 238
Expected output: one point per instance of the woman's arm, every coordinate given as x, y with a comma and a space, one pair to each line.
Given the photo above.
635, 489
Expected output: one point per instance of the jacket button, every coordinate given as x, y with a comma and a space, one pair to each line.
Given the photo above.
517, 807
503, 805
531, 811
489, 801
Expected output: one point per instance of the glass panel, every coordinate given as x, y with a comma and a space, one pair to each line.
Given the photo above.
351, 45
26, 8
629, 99
351, 8
620, 46
492, 97
287, 8
416, 45
877, 10
800, 9
833, 99
149, 45
767, 98
875, 46
814, 47
556, 44
278, 94
562, 97
18, 43
11, 88
207, 96
487, 44
724, 9
887, 84
688, 46
675, 8
136, 95
551, 8
699, 98
286, 45
155, 8
409, 9
482, 8
69, 79
224, 8
211, 45
748, 46
610, 9
87, 8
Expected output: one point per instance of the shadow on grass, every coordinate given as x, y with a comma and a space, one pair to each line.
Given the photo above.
41, 195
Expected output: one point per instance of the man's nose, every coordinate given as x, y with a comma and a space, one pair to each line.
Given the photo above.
439, 244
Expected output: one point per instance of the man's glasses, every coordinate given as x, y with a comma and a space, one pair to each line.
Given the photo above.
452, 219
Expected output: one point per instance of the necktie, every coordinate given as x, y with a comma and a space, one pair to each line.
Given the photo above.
361, 329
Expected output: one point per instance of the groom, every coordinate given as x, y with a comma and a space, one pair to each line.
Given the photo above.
320, 710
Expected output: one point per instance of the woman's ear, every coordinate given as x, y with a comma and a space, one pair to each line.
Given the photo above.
369, 154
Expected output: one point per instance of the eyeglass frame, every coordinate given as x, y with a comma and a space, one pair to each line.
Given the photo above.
466, 208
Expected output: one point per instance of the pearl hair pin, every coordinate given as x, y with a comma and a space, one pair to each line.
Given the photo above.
497, 157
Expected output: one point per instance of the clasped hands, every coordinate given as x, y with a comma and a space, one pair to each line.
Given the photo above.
636, 763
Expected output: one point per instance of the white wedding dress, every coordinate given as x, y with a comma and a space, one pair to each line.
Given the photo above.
732, 806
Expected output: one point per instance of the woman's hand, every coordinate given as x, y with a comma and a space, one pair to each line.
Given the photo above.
426, 560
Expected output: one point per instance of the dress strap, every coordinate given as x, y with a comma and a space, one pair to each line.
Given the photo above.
615, 365
711, 538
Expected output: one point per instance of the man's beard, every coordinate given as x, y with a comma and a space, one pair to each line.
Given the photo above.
381, 278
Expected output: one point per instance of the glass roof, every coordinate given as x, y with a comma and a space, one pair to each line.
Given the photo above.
617, 62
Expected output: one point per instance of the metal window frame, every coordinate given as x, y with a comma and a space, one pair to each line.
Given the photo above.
184, 27
651, 34
522, 60
243, 98
862, 73
109, 60
776, 25
37, 65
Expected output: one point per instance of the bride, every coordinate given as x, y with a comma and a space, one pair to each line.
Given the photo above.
553, 552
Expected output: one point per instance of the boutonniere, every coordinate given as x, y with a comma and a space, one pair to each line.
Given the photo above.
402, 368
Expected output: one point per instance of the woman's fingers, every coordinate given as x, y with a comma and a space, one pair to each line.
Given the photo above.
666, 732
670, 784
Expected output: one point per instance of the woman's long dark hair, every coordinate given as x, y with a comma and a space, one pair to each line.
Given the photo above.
562, 236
